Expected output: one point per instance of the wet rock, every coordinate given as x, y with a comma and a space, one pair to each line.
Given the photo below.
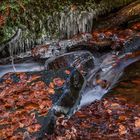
81, 60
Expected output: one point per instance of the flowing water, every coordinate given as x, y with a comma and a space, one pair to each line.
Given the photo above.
94, 69
129, 85
111, 75
23, 67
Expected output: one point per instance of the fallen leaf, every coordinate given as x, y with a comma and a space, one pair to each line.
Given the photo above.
137, 123
51, 85
122, 130
115, 106
58, 82
136, 82
122, 118
67, 72
51, 91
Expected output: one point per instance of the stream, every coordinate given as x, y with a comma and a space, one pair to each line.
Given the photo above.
94, 69
128, 86
131, 72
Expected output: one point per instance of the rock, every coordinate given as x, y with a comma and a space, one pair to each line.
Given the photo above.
81, 60
60, 47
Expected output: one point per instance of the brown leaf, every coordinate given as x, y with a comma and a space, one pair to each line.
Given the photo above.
122, 130
51, 91
137, 123
122, 118
115, 106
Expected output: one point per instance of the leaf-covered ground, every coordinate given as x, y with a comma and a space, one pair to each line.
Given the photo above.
25, 95
110, 118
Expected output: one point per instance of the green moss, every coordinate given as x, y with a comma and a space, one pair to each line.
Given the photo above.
29, 13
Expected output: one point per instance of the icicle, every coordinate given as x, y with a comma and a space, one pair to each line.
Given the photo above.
75, 22
12, 58
11, 49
